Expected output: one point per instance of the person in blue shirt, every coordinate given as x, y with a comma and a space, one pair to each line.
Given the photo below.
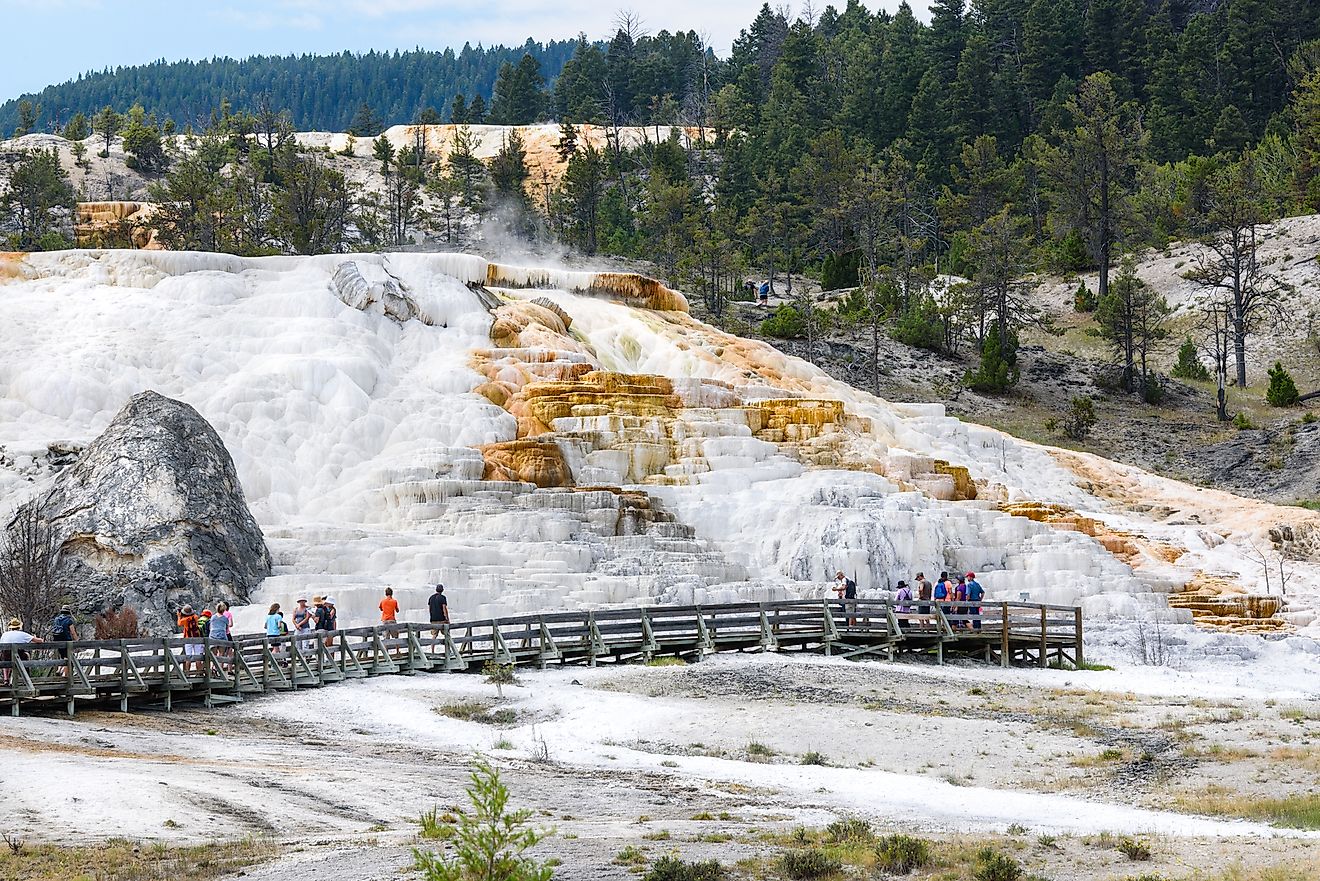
274, 618
975, 593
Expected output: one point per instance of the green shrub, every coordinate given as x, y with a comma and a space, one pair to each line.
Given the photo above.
630, 856
670, 868
812, 758
920, 326
1079, 418
1070, 253
808, 864
1282, 391
995, 865
1134, 849
901, 854
839, 271
785, 323
998, 370
1084, 299
756, 748
1189, 364
1308, 418
486, 833
1152, 389
852, 829
1242, 422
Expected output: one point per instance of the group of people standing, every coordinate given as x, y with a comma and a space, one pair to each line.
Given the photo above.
958, 595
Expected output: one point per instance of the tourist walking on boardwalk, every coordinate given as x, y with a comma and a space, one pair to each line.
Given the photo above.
439, 607
302, 623
389, 613
63, 629
975, 593
328, 620
11, 639
221, 628
959, 597
924, 592
903, 601
846, 589
943, 593
190, 627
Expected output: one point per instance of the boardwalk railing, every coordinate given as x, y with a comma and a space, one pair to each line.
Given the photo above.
157, 672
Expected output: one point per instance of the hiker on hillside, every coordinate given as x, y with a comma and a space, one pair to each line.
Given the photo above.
846, 589
975, 593
764, 294
439, 607
190, 627
925, 592
13, 637
389, 613
63, 629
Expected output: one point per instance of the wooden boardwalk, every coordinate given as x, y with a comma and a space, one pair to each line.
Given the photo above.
158, 673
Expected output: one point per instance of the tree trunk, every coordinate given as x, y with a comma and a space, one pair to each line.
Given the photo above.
1105, 244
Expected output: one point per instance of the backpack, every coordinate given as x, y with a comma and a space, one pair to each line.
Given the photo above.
63, 627
284, 628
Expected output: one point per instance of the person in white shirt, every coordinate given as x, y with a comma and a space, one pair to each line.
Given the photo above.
14, 636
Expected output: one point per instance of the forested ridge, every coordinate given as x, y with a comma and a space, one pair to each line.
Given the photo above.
868, 150
321, 92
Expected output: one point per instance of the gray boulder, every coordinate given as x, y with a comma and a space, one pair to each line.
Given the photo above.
152, 517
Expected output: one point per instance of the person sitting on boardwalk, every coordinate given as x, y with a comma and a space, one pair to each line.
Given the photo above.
975, 593
924, 591
14, 636
389, 613
846, 589
439, 607
190, 627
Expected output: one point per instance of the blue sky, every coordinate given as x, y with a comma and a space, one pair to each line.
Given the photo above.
54, 40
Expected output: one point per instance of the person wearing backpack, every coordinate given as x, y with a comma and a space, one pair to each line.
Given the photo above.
975, 593
64, 630
903, 601
942, 592
923, 592
190, 627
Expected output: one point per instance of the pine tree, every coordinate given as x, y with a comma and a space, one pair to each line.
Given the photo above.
78, 128
28, 115
458, 110
107, 124
1189, 364
366, 123
1132, 318
39, 201
477, 113
1282, 391
1094, 169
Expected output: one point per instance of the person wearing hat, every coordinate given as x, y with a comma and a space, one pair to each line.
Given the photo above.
903, 601
14, 636
975, 593
438, 605
327, 619
190, 627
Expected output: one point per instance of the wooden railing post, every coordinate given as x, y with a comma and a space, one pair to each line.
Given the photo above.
1005, 647
1077, 636
1044, 644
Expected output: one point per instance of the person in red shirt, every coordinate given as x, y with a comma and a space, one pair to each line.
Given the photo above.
389, 612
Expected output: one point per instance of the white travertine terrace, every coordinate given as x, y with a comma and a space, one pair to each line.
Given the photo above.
347, 390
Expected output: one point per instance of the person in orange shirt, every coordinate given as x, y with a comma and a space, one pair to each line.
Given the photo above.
389, 611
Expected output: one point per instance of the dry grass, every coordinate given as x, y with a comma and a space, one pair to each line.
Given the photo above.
1301, 811
120, 859
1305, 756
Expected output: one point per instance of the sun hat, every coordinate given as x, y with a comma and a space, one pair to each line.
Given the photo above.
187, 610
15, 624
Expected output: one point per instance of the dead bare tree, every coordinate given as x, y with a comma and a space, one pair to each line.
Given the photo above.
1216, 340
27, 569
1228, 217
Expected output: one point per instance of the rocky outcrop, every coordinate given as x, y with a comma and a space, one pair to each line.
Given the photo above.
152, 516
